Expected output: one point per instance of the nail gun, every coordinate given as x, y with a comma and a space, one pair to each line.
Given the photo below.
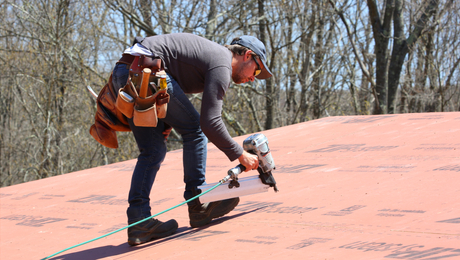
256, 144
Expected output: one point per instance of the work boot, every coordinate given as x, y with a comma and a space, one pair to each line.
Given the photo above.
201, 214
149, 230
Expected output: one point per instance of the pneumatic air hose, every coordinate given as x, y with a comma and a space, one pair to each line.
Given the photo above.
118, 230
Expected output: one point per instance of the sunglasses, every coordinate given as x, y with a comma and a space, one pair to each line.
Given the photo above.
258, 70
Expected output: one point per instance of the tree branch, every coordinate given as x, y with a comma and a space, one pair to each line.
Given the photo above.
355, 51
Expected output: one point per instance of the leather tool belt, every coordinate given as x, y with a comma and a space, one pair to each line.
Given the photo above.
113, 108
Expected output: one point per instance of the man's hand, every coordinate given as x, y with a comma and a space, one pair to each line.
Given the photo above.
250, 161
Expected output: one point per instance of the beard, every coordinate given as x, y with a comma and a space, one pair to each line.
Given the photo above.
238, 79
238, 76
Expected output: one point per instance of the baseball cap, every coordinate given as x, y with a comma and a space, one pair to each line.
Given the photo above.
258, 48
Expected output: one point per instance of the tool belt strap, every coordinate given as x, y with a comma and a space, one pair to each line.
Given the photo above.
127, 59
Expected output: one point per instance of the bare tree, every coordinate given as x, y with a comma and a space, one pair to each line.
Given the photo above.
340, 58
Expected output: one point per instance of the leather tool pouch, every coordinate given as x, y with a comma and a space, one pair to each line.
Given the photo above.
162, 100
144, 111
108, 118
126, 105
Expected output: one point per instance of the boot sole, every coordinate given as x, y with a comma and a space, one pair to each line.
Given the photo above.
138, 241
207, 220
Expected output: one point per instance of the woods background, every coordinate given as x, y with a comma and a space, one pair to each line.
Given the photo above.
329, 58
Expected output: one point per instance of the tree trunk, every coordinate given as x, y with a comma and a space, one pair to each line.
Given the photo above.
381, 35
306, 41
318, 61
211, 24
269, 88
401, 45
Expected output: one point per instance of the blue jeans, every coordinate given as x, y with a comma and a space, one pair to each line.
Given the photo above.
184, 118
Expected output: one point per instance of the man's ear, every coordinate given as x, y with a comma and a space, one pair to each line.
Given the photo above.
247, 55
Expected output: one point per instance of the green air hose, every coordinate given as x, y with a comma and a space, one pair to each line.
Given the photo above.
118, 230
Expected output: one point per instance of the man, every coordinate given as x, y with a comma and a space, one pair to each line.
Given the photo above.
193, 64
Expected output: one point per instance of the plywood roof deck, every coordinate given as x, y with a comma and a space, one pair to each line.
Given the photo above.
355, 187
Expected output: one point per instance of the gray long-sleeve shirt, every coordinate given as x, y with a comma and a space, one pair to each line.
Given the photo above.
200, 65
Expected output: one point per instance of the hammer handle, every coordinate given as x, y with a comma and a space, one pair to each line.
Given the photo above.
145, 82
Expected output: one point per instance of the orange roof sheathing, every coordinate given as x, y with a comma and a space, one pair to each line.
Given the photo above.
351, 187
